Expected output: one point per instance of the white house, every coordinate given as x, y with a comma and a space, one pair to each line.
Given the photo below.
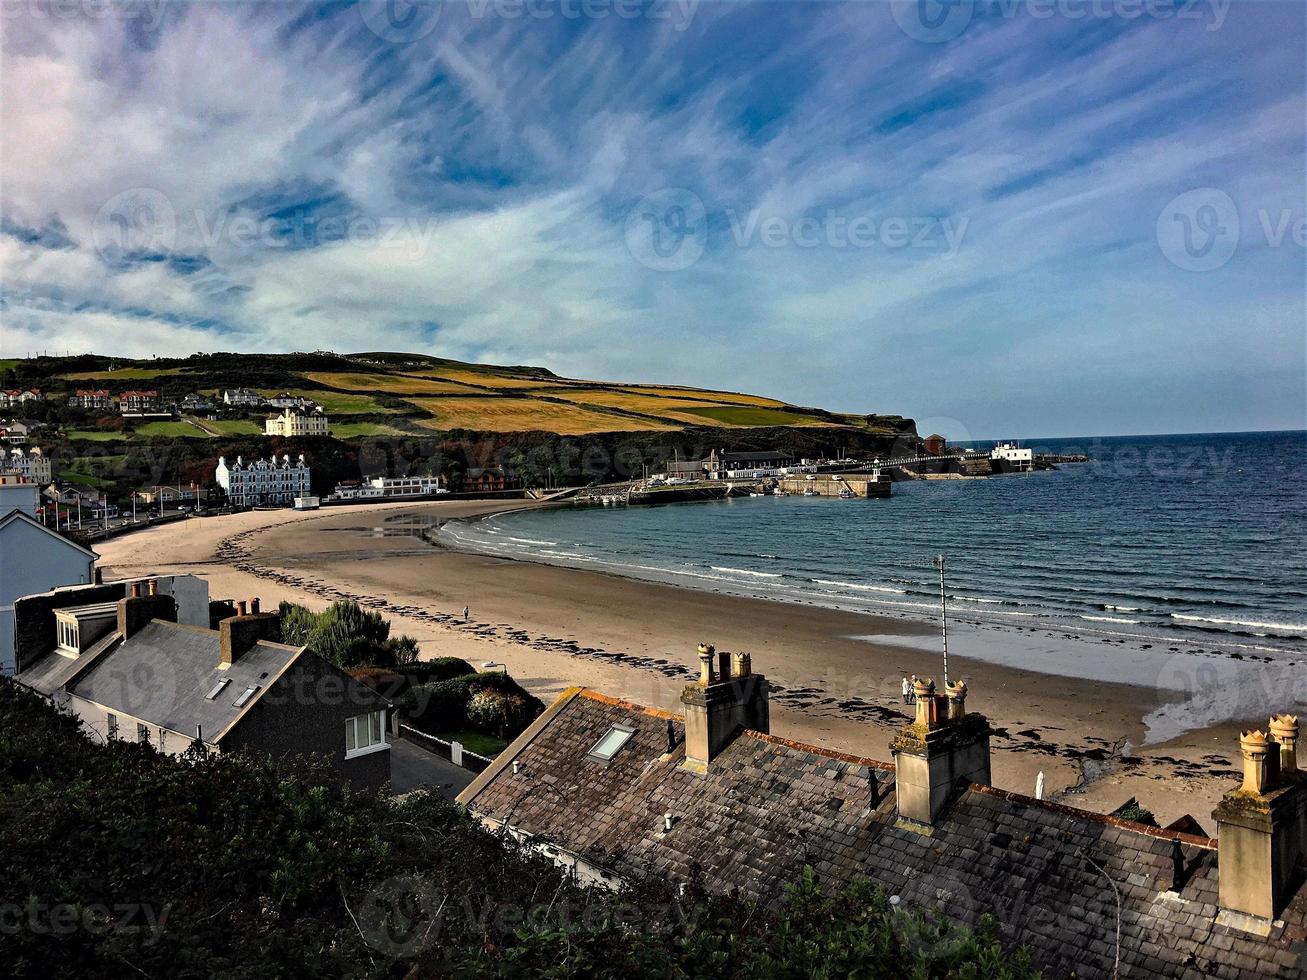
263, 482
390, 486
34, 559
33, 465
295, 423
1017, 458
241, 397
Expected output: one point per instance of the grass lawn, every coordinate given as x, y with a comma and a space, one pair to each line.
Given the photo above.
95, 435
171, 430
523, 414
740, 415
391, 384
123, 374
235, 427
355, 430
82, 477
486, 745
668, 391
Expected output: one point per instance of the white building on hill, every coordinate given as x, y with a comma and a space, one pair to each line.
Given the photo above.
1016, 457
293, 423
33, 464
263, 483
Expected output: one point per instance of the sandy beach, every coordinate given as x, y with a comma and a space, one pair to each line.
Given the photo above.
836, 673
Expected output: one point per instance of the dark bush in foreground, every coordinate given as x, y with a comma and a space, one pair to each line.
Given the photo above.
121, 862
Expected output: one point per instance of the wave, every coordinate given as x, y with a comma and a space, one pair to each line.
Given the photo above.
1110, 619
1286, 629
532, 541
744, 571
860, 587
1109, 606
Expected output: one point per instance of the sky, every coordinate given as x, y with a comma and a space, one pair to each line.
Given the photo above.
1004, 218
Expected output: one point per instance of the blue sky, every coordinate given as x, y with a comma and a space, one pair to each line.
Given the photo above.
1018, 217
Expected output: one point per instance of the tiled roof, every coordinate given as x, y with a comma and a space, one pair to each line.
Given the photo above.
1048, 874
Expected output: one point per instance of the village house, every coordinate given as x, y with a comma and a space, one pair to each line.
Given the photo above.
171, 496
32, 464
485, 479
194, 404
616, 792
388, 486
1013, 457
33, 558
15, 433
91, 398
746, 465
241, 398
935, 444
13, 397
296, 423
286, 400
261, 483
128, 670
139, 402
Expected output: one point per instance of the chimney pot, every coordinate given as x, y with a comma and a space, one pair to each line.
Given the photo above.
705, 664
743, 665
957, 699
927, 705
1255, 748
254, 605
1284, 729
152, 587
723, 665
240, 608
136, 590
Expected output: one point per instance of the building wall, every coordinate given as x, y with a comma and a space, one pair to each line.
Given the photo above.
32, 560
304, 713
95, 719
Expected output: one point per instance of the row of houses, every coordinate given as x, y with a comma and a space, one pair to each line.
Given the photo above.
250, 398
16, 397
268, 482
154, 660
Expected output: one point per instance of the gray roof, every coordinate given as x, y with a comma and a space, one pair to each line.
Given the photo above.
50, 673
767, 807
162, 674
761, 454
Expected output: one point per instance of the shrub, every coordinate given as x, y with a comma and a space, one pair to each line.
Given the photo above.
347, 635
439, 669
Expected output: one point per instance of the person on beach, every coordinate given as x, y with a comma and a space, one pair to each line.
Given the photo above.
912, 690
465, 614
907, 690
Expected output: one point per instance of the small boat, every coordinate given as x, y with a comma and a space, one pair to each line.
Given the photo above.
755, 493
846, 494
778, 492
810, 492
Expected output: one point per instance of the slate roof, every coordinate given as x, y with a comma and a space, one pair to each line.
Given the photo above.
768, 807
162, 674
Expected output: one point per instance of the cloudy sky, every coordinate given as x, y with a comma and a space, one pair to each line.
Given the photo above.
1002, 218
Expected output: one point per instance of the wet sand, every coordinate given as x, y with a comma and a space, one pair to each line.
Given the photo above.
836, 674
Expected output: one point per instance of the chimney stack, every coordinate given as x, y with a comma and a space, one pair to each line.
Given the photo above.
720, 705
136, 610
237, 634
1262, 825
940, 752
240, 608
254, 605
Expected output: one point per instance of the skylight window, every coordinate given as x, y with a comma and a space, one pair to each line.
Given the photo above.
611, 743
217, 689
244, 699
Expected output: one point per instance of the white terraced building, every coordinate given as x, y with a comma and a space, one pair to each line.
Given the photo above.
33, 465
263, 482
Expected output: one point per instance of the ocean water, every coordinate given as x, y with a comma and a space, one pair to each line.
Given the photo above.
1198, 540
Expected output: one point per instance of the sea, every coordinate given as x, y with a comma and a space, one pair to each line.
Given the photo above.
1197, 541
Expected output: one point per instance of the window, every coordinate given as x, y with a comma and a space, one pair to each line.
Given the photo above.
142, 733
244, 699
611, 743
217, 689
111, 724
364, 733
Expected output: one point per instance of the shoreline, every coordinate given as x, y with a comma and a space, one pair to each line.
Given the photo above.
836, 672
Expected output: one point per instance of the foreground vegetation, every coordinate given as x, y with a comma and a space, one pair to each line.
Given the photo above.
122, 862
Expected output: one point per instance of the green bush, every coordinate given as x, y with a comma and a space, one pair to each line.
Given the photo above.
491, 703
347, 635
439, 669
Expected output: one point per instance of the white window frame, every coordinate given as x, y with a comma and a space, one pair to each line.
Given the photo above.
626, 731
366, 721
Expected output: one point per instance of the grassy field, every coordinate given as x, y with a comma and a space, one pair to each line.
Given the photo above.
339, 403
94, 435
508, 414
706, 396
743, 415
667, 408
391, 384
484, 379
235, 427
123, 374
358, 430
170, 430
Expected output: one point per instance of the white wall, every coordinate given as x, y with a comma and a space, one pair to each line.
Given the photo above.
33, 560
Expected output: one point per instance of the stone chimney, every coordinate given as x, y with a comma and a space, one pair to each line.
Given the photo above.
1262, 825
136, 610
939, 753
237, 634
727, 698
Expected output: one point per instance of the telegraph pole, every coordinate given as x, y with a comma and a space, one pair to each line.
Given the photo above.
943, 614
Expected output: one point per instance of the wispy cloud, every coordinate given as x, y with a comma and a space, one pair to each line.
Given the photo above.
965, 229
